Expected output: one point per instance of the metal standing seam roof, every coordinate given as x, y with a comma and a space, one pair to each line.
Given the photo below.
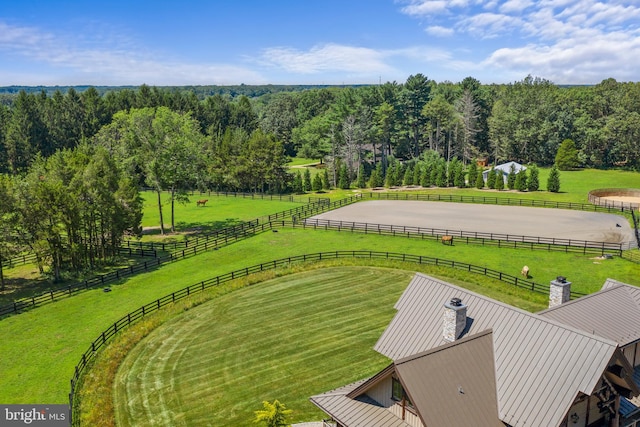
612, 313
634, 291
355, 412
461, 383
541, 365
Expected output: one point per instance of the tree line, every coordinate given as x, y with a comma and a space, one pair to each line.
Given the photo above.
53, 202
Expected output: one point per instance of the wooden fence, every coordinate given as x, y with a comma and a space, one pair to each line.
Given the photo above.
107, 335
473, 237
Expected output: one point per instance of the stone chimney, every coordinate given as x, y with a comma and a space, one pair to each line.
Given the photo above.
559, 291
454, 319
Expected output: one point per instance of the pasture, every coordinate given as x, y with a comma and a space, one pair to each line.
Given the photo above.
47, 342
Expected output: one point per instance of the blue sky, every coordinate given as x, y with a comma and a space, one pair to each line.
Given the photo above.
199, 42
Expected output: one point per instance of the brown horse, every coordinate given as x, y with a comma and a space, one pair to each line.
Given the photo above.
201, 202
447, 240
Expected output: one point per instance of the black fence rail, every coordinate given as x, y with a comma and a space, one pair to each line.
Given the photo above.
107, 335
27, 258
103, 280
473, 237
503, 201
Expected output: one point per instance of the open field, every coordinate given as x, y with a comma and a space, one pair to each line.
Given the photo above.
219, 212
39, 361
283, 339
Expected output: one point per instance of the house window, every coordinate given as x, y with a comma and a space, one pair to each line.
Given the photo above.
398, 393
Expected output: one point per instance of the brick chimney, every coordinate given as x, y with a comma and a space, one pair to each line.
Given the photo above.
454, 319
559, 291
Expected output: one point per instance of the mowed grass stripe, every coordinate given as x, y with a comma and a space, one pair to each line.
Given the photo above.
287, 338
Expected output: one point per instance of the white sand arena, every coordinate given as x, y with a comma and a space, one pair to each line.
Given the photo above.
516, 220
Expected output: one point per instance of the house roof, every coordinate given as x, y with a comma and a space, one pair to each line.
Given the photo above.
540, 364
359, 412
505, 168
612, 313
463, 388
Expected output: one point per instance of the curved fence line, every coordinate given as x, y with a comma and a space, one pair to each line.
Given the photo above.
598, 197
473, 237
105, 337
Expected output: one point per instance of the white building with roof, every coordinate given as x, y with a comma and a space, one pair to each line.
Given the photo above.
505, 169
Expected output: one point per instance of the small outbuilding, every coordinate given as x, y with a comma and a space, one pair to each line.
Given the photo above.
505, 168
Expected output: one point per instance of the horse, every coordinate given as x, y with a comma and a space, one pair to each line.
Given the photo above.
447, 240
525, 271
202, 202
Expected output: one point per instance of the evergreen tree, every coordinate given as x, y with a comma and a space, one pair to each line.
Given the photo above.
553, 182
511, 179
567, 155
473, 173
306, 181
343, 177
297, 183
521, 180
417, 172
389, 180
459, 179
408, 176
491, 178
479, 181
362, 181
441, 175
533, 183
326, 183
499, 182
316, 184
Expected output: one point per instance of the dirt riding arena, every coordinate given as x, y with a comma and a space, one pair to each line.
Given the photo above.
516, 220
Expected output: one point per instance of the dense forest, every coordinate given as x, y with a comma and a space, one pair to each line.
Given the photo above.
71, 162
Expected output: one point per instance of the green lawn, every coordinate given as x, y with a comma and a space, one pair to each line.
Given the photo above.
49, 341
220, 211
284, 339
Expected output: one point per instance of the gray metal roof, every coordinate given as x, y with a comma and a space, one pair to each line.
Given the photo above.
541, 365
459, 379
612, 313
355, 412
634, 291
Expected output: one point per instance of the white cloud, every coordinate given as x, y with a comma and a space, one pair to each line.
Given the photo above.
511, 6
489, 25
438, 31
328, 57
112, 60
425, 7
570, 62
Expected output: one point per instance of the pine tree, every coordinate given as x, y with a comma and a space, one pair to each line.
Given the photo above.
473, 173
567, 156
511, 179
362, 181
553, 182
417, 172
408, 176
459, 179
491, 178
326, 183
316, 184
306, 181
521, 180
479, 181
499, 182
441, 175
297, 183
343, 177
533, 183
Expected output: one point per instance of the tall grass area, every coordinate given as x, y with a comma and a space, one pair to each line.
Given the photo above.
44, 345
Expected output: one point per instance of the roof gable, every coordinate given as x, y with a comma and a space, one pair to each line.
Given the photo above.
612, 313
540, 365
461, 383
